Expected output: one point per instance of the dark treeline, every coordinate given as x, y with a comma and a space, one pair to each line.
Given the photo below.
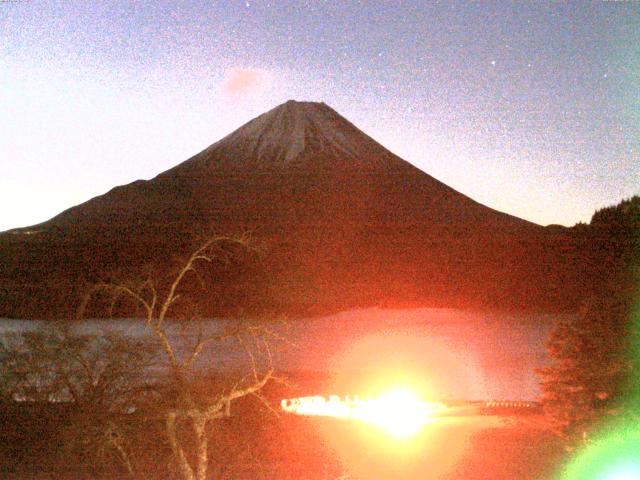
593, 378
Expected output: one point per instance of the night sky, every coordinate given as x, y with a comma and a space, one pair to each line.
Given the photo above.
532, 109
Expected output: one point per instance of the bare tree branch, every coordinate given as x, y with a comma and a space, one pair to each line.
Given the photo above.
188, 407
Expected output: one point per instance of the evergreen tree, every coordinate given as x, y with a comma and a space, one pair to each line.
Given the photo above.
591, 375
586, 381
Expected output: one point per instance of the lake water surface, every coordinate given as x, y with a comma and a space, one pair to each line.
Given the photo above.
460, 354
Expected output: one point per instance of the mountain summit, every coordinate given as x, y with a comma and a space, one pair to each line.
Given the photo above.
299, 136
342, 222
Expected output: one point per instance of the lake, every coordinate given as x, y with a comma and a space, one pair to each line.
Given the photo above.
459, 354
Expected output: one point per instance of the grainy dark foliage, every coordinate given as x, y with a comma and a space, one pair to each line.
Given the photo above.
594, 370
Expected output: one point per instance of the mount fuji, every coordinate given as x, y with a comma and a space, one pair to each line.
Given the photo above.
339, 221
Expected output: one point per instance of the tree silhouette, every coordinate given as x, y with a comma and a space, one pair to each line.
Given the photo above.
188, 411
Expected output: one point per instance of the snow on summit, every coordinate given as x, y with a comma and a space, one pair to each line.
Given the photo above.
301, 136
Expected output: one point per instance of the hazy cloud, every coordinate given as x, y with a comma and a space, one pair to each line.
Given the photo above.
242, 83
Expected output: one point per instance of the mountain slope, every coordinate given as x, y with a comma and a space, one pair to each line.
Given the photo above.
341, 222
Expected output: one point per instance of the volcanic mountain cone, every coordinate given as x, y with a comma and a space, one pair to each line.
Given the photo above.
338, 220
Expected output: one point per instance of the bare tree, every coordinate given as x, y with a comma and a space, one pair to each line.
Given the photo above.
54, 364
188, 416
96, 378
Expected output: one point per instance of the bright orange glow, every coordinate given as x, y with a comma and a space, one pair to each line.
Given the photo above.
398, 412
